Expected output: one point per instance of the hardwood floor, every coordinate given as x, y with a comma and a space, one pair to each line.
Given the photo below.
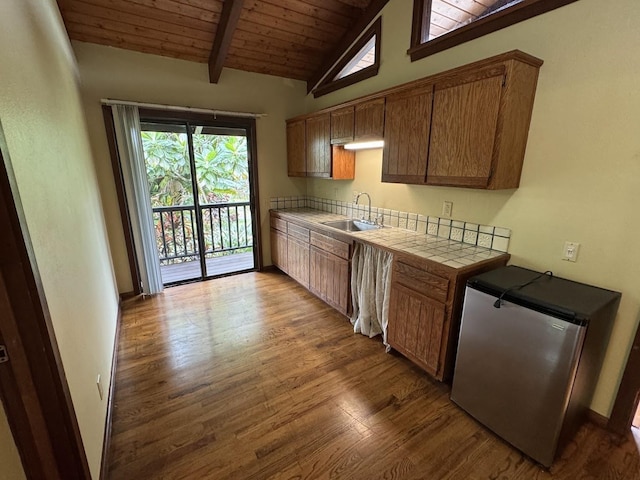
252, 377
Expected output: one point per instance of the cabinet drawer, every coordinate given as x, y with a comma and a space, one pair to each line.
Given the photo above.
278, 224
421, 281
298, 232
331, 245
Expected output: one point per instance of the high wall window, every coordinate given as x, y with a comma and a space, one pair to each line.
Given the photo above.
360, 62
442, 24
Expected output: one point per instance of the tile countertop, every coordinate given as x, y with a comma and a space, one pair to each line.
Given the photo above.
436, 249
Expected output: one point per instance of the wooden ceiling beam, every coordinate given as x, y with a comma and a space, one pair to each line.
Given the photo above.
229, 17
351, 35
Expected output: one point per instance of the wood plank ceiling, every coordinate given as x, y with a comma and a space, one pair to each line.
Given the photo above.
286, 38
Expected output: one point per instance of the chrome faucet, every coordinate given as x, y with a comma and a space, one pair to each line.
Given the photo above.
358, 197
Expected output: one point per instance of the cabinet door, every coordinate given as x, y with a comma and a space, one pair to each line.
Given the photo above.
296, 150
279, 249
298, 260
369, 121
318, 139
463, 129
342, 122
406, 135
329, 279
416, 326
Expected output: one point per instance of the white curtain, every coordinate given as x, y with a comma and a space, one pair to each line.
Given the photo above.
134, 172
370, 289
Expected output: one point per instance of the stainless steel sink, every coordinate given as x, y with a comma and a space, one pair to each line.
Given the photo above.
351, 225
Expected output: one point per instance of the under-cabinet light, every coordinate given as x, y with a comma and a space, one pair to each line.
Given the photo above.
364, 145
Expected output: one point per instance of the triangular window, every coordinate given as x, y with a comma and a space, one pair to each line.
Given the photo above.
360, 62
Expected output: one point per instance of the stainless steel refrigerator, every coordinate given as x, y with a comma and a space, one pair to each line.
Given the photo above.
529, 354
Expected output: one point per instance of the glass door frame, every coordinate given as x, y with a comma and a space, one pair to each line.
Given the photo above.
187, 117
248, 124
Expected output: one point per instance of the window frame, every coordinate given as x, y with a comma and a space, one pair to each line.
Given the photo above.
329, 85
491, 23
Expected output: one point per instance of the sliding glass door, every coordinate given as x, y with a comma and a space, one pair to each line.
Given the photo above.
200, 182
222, 176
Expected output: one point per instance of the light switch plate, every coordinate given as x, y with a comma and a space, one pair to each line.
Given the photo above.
570, 252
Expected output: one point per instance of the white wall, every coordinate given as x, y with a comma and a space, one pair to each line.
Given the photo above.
46, 138
10, 464
124, 75
581, 176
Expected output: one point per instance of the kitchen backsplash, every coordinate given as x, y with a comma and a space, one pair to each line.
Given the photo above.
495, 238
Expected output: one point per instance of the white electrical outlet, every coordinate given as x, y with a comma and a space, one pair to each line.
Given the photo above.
99, 385
570, 252
447, 208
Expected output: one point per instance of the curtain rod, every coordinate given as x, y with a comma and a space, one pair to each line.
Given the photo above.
109, 101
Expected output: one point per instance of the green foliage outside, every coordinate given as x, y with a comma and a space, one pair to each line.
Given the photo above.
221, 163
222, 177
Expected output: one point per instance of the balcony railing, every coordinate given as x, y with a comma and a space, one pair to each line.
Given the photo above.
226, 227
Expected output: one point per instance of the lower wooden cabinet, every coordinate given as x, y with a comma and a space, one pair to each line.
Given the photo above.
316, 260
298, 260
425, 308
329, 279
279, 249
415, 327
425, 305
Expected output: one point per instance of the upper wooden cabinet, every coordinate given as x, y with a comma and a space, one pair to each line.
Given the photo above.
319, 146
406, 134
342, 125
296, 150
369, 119
465, 127
310, 153
359, 122
479, 125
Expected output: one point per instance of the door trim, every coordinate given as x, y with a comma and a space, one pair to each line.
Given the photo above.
33, 386
628, 395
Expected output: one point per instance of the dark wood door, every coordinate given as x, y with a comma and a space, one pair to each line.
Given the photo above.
296, 150
463, 129
406, 135
33, 387
628, 395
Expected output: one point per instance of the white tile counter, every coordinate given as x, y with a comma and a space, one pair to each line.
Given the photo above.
437, 249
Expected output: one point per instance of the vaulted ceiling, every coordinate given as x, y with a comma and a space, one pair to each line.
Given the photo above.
288, 38
299, 39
